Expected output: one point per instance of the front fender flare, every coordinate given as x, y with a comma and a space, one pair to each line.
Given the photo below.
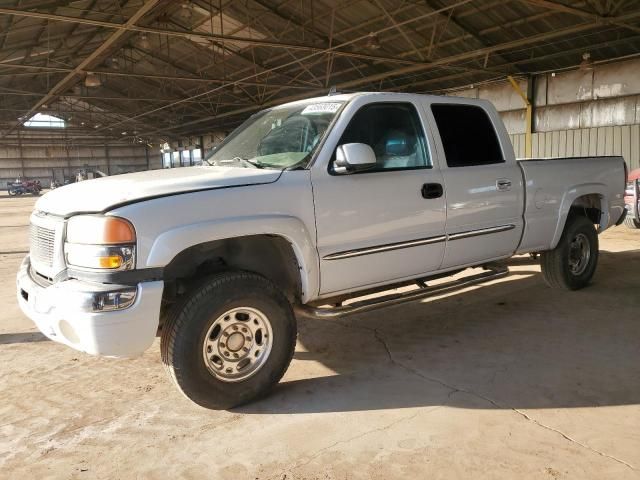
171, 242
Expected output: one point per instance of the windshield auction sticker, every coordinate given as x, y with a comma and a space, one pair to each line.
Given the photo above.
321, 108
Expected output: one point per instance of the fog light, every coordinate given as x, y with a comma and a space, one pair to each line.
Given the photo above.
109, 301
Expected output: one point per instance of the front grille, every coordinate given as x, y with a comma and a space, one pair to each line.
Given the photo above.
42, 244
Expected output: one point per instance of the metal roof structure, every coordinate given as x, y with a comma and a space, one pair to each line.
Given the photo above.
168, 69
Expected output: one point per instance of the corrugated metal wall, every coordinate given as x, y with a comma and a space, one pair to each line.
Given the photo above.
577, 113
583, 142
39, 158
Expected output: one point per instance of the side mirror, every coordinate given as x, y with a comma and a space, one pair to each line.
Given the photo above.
353, 157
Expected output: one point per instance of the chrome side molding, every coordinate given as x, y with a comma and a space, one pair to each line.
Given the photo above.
416, 243
481, 231
384, 248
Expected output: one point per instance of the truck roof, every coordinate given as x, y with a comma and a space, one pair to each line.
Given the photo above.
343, 97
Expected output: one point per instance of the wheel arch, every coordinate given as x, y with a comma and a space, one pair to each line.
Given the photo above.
589, 200
279, 248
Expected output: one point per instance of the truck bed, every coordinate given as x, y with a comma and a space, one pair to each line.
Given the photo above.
554, 185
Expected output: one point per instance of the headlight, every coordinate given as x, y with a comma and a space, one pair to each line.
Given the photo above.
99, 242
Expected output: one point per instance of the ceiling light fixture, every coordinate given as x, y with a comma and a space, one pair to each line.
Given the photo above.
143, 42
92, 80
586, 64
185, 12
373, 42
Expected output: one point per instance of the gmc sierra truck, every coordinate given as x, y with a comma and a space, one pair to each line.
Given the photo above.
304, 208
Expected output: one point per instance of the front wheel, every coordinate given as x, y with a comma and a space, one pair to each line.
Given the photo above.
573, 262
230, 340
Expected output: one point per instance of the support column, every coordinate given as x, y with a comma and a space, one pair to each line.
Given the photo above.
106, 153
21, 155
528, 102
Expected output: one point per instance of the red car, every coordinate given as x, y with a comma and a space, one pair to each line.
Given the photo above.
632, 199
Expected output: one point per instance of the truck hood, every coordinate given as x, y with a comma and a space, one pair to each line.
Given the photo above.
92, 196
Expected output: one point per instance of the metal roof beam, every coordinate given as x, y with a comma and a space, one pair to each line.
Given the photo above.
413, 69
113, 73
452, 19
210, 36
89, 61
595, 17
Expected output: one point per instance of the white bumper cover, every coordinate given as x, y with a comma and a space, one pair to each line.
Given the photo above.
60, 312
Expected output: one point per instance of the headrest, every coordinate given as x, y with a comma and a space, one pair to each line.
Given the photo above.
398, 144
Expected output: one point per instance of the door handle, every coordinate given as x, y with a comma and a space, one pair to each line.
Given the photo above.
431, 190
503, 184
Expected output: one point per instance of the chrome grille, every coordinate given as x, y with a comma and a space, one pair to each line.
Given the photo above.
42, 244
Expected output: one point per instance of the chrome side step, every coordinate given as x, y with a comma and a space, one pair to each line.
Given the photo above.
493, 272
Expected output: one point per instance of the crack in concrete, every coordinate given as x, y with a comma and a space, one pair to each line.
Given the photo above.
349, 440
454, 389
573, 440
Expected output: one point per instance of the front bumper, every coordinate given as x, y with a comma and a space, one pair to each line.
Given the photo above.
66, 312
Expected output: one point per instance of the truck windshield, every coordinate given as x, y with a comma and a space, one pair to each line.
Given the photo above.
282, 137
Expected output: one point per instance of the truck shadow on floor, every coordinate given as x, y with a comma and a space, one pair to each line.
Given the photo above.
512, 344
25, 337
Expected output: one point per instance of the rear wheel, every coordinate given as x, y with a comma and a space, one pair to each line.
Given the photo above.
631, 222
573, 262
230, 341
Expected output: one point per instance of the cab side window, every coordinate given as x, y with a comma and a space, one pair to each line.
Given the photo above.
467, 135
394, 133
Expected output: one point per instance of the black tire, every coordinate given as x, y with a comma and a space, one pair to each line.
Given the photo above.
184, 335
555, 264
631, 222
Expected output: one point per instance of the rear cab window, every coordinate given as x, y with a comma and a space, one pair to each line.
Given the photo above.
468, 135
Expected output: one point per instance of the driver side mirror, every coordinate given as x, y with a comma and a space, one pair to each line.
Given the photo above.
353, 157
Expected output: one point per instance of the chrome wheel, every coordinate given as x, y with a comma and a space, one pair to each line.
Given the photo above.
579, 254
237, 344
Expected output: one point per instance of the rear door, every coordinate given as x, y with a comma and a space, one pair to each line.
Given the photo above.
483, 183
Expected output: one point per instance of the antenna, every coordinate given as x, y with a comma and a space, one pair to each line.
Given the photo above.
332, 91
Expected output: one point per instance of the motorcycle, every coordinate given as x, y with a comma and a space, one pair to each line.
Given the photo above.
20, 187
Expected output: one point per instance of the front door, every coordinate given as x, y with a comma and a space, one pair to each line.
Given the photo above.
386, 223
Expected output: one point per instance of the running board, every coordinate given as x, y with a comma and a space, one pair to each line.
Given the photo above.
493, 272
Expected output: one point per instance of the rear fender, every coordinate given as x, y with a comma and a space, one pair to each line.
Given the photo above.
570, 197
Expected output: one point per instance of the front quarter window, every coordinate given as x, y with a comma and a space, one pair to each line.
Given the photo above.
282, 137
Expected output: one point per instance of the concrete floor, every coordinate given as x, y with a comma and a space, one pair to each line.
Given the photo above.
508, 380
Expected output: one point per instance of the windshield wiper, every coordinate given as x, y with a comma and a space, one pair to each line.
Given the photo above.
238, 160
250, 162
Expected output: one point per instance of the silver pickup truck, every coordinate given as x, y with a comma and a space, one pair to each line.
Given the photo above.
305, 207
